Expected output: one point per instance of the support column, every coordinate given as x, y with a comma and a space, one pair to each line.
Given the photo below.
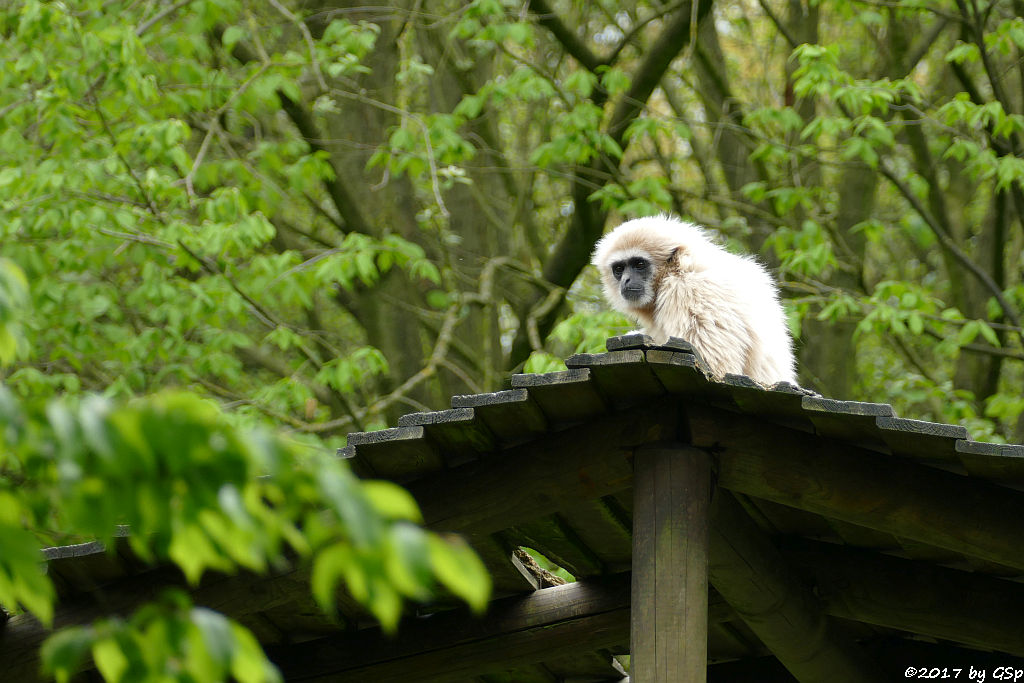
669, 615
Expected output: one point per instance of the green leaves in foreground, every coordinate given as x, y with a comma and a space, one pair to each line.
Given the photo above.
167, 641
194, 490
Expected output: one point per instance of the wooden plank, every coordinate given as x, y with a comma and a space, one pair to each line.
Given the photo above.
781, 402
633, 340
548, 623
563, 397
399, 453
601, 525
636, 340
925, 441
622, 377
682, 373
1002, 462
577, 464
511, 415
756, 581
459, 435
912, 596
669, 615
888, 494
850, 420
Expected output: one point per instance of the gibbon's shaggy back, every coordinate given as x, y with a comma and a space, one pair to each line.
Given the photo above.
726, 306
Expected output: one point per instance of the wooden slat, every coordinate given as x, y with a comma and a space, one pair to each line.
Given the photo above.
511, 415
850, 420
682, 373
636, 340
633, 340
400, 453
926, 441
622, 377
669, 615
604, 529
781, 403
1002, 462
567, 396
459, 435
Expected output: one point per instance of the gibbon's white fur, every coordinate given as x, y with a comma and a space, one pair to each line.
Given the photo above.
676, 282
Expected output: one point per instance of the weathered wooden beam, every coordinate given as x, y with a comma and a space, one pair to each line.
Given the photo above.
669, 615
578, 464
547, 624
750, 573
916, 597
881, 492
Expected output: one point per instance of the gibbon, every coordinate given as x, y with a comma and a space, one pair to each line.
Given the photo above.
676, 282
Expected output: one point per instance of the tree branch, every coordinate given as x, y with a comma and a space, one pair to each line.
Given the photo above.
302, 118
547, 18
672, 40
951, 246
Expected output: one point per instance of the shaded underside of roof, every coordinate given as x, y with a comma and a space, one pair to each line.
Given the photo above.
906, 534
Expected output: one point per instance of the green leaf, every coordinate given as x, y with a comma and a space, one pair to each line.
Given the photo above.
109, 658
217, 634
64, 652
460, 570
580, 82
391, 501
329, 566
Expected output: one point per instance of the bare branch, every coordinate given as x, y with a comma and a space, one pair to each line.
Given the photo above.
639, 26
149, 23
431, 160
309, 42
301, 117
947, 242
677, 34
547, 18
783, 29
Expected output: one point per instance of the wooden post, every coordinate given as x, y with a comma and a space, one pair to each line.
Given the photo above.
669, 615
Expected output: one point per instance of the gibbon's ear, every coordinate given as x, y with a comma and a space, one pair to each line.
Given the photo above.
672, 255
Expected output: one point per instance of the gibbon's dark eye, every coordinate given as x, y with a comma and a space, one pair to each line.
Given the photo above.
617, 269
638, 263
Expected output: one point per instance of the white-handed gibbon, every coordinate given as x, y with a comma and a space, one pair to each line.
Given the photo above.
676, 282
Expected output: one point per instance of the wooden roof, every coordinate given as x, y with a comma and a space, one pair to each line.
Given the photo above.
898, 542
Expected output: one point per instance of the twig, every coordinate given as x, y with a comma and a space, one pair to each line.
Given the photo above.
149, 23
435, 184
547, 18
553, 299
952, 247
309, 42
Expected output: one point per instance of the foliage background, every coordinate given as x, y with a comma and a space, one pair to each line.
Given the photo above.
322, 215
325, 216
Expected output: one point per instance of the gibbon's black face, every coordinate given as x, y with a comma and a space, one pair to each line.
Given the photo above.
633, 275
